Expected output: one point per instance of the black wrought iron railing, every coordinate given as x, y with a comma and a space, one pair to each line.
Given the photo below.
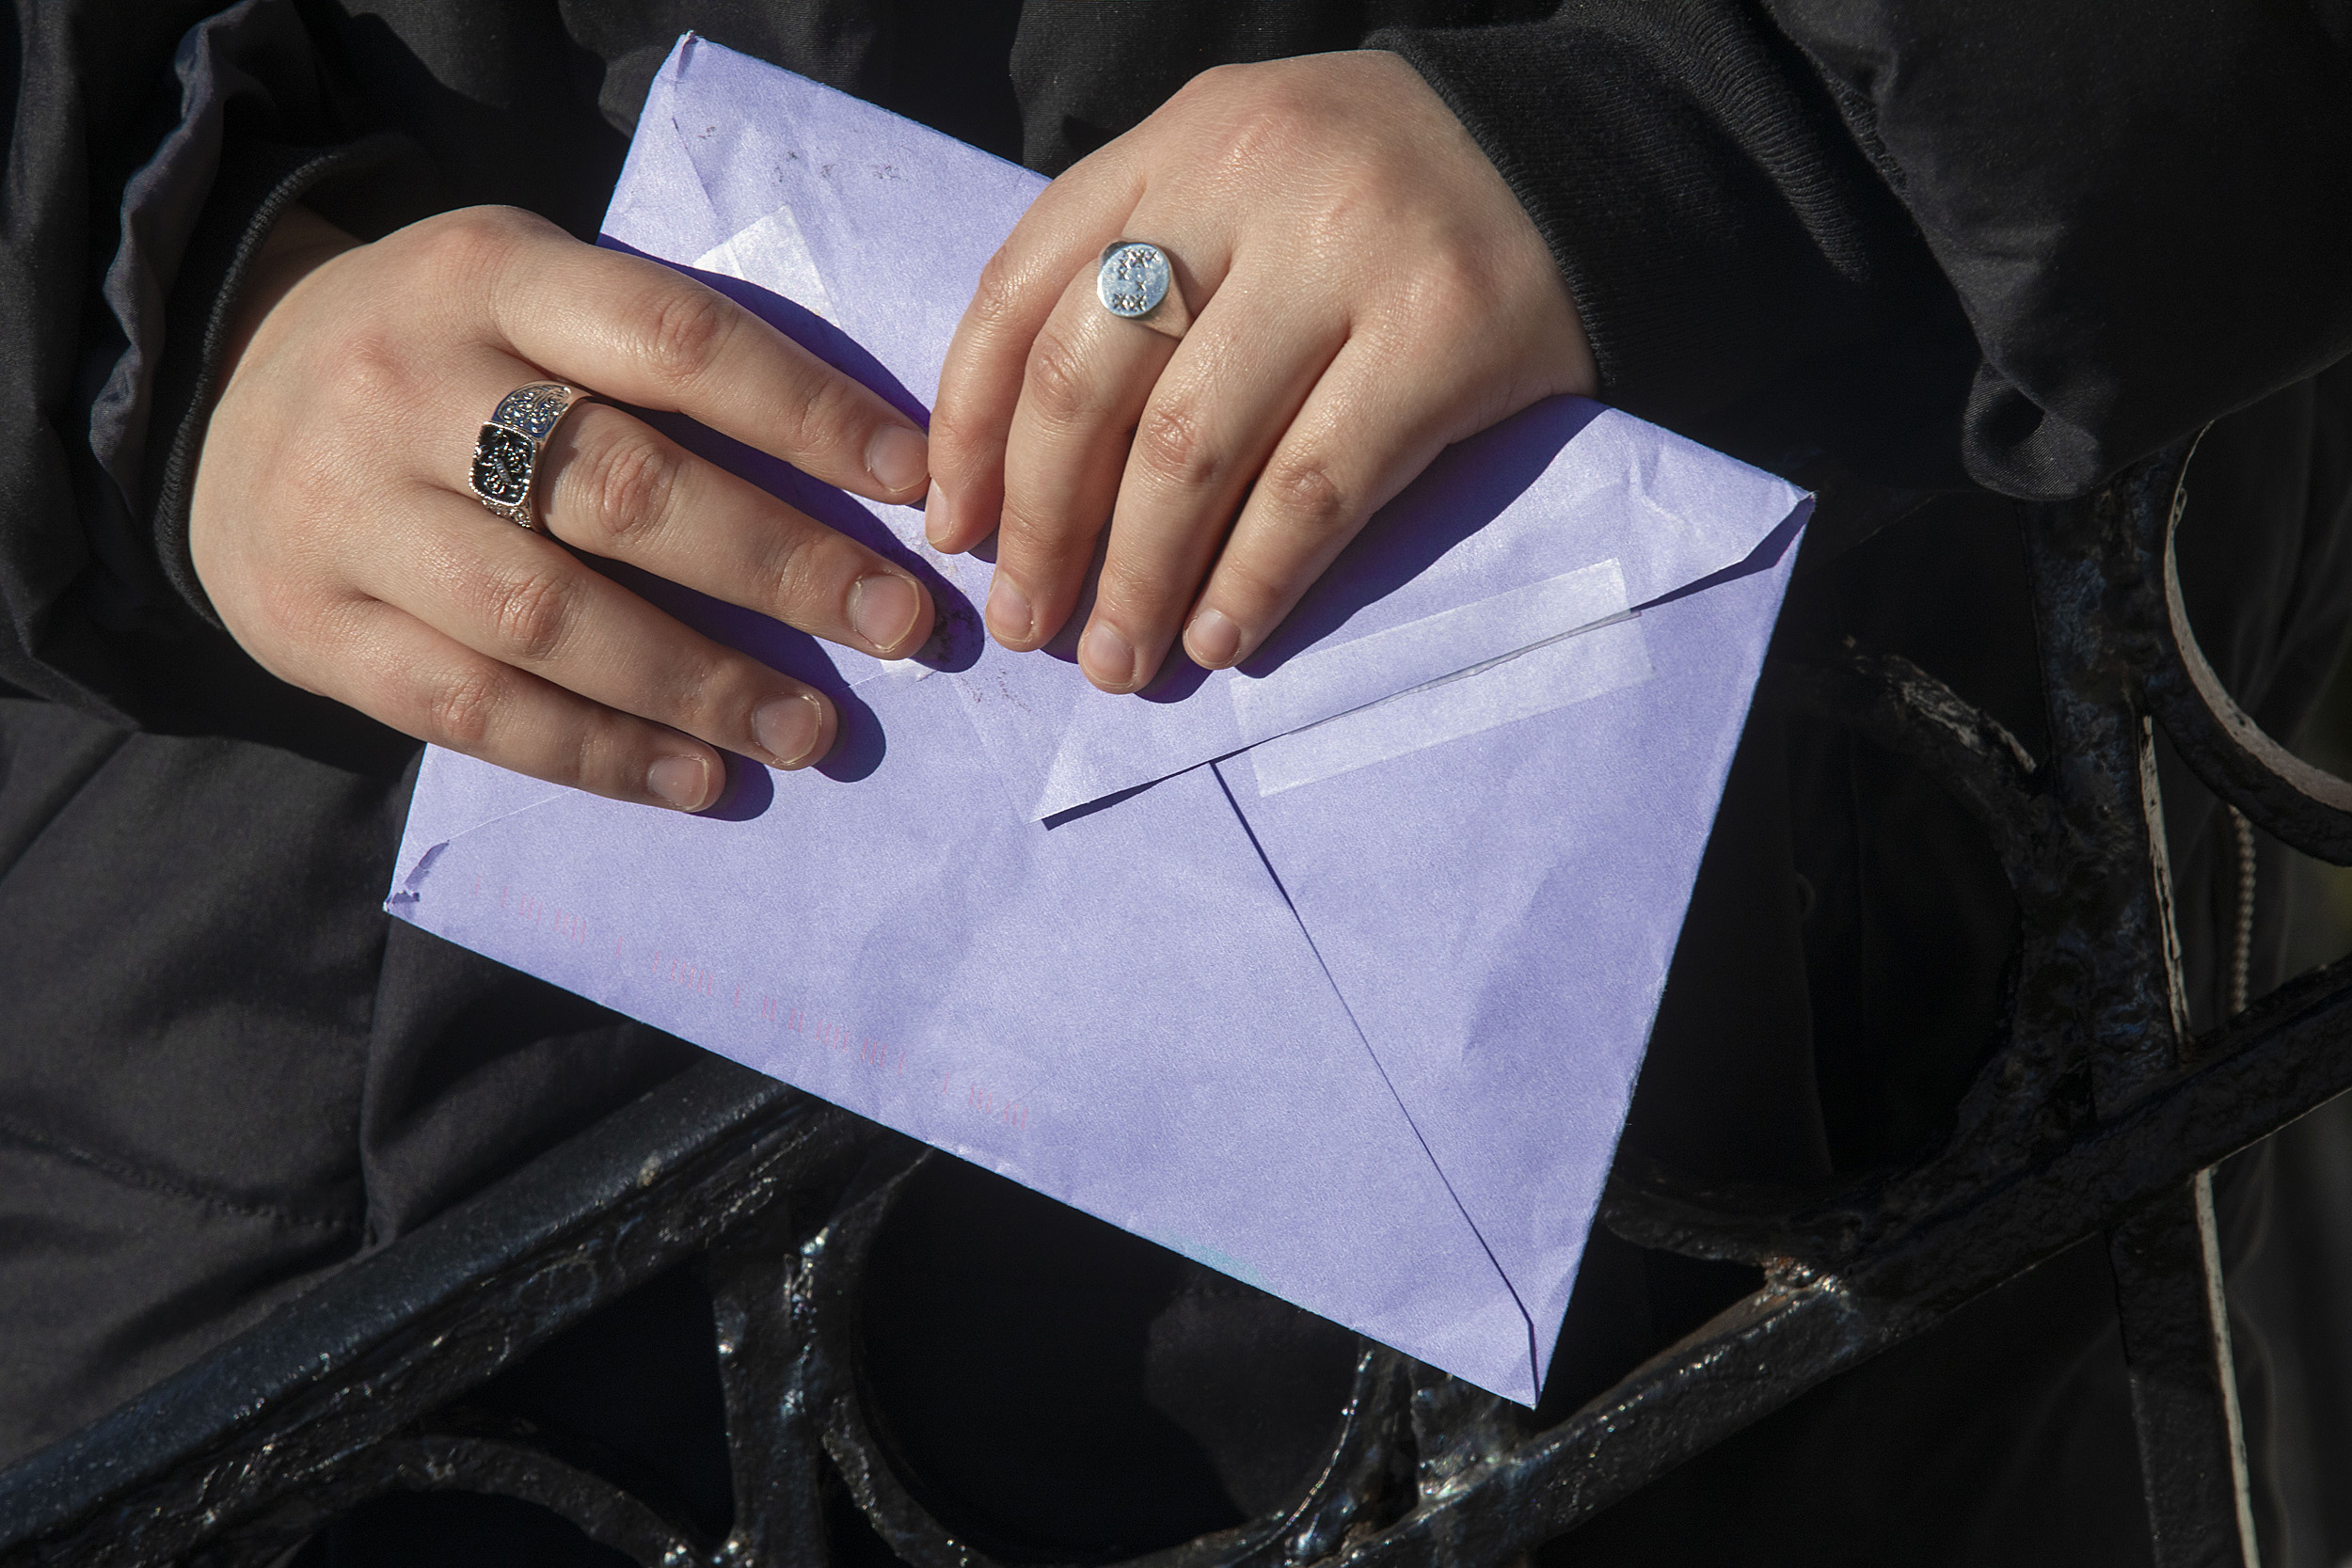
2102, 1116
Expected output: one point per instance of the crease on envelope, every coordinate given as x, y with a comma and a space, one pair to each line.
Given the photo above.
1535, 1357
1469, 1067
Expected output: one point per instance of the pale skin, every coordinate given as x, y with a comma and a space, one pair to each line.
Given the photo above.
1366, 289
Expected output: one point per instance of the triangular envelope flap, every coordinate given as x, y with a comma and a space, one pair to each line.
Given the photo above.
1121, 1012
1562, 517
1538, 871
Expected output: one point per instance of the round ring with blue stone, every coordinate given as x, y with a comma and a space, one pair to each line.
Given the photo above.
1136, 281
506, 454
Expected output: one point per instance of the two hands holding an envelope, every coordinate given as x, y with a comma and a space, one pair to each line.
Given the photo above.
1330, 970
1367, 291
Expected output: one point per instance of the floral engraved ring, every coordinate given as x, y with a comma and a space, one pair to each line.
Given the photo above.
1136, 279
506, 454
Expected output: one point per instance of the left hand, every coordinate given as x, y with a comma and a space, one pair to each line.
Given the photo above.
1366, 289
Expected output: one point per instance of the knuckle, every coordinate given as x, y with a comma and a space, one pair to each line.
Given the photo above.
687, 333
533, 613
473, 242
804, 585
367, 368
826, 417
292, 606
630, 481
1055, 383
954, 436
1034, 538
1452, 292
460, 710
995, 299
1171, 443
711, 691
1273, 131
596, 752
1340, 215
1306, 497
1230, 77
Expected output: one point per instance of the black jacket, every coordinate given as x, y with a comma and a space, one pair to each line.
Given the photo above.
1989, 252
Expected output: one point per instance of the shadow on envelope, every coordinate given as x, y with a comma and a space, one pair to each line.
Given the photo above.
1399, 545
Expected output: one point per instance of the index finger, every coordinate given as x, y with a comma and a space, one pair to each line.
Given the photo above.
635, 330
979, 382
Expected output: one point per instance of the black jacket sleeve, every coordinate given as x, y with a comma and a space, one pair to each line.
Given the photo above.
2025, 243
150, 149
80, 116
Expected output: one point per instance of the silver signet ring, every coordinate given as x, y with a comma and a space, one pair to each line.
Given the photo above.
506, 454
1134, 280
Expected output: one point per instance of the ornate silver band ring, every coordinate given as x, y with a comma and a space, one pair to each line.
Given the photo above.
506, 454
1135, 279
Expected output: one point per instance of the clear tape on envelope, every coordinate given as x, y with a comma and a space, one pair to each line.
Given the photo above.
1336, 680
1511, 656
1575, 667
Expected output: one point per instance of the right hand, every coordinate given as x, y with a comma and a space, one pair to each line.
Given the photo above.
333, 529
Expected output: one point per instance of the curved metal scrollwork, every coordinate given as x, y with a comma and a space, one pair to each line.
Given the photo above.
2281, 794
1347, 1487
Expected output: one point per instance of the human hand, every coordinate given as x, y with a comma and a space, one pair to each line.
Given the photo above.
332, 527
1366, 291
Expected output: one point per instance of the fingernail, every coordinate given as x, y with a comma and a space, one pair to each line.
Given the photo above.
788, 728
1212, 640
1108, 659
683, 781
935, 521
1010, 617
898, 457
882, 608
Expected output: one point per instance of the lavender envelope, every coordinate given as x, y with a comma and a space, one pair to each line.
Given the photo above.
1333, 973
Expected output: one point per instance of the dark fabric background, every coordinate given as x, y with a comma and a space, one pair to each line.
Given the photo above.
1994, 252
